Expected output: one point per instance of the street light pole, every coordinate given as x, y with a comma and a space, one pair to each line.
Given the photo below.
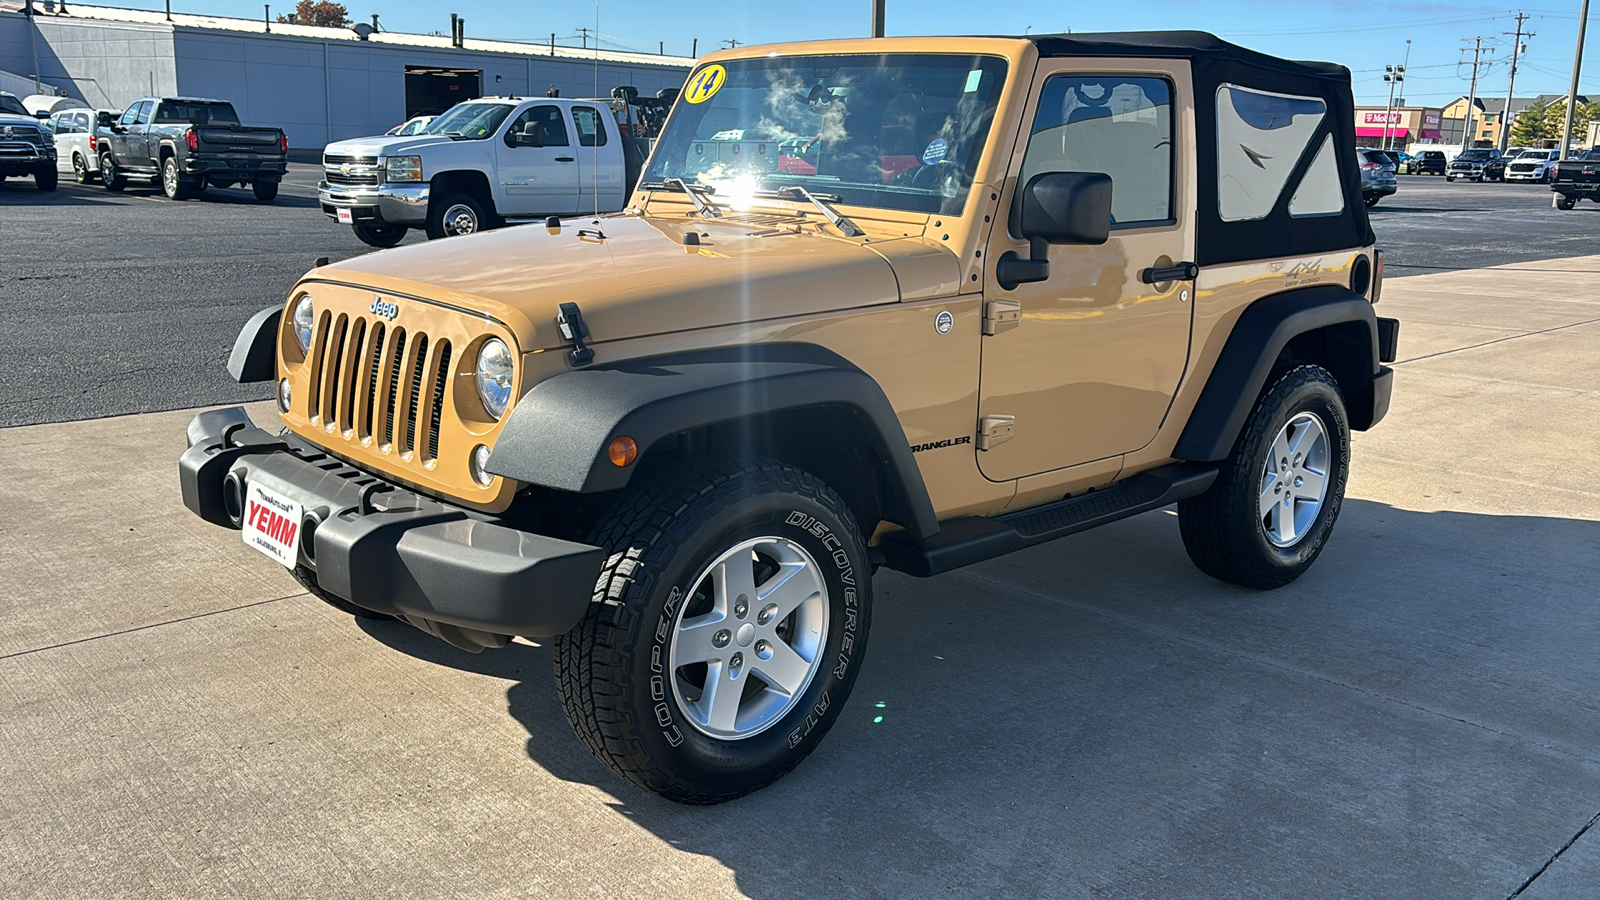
1394, 75
1572, 92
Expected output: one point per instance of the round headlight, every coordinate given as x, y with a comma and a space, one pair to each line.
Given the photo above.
304, 317
495, 369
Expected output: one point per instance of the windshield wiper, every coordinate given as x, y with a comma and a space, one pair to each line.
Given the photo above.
845, 226
695, 191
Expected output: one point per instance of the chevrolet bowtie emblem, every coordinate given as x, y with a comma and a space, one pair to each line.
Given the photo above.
345, 168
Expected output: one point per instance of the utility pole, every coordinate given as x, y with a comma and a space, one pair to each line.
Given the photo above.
1505, 114
1394, 75
584, 32
1572, 93
732, 44
877, 17
1472, 92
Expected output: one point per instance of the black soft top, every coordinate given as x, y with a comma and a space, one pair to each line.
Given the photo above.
1215, 63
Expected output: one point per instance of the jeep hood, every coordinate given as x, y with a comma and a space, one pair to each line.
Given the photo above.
641, 278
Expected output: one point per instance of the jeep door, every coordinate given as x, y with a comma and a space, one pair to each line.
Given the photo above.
536, 165
1090, 366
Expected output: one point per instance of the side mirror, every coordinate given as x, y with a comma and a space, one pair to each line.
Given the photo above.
1055, 208
41, 114
523, 139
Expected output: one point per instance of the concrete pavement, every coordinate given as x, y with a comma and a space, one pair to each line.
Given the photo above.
1415, 718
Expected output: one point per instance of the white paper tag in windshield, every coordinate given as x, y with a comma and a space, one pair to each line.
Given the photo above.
973, 77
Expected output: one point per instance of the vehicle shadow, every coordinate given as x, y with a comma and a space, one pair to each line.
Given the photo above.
1092, 717
1384, 208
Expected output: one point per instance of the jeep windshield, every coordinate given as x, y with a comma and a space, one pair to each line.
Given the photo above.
898, 131
470, 121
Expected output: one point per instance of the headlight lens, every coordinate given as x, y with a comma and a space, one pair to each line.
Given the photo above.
404, 168
304, 317
495, 369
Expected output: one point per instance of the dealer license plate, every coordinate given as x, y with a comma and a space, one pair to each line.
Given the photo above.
272, 524
345, 218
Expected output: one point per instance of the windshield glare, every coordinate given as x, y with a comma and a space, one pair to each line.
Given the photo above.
473, 121
901, 131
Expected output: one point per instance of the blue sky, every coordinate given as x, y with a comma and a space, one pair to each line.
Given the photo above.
1363, 36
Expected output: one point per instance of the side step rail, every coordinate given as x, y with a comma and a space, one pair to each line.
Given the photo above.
964, 541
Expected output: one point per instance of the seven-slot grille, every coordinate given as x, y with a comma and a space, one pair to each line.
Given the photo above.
378, 384
351, 171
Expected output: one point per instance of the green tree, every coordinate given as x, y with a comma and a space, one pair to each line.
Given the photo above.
1556, 119
317, 12
1531, 126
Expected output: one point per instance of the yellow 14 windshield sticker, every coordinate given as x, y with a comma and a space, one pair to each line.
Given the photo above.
705, 84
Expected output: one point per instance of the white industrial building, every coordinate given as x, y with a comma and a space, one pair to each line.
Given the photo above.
317, 84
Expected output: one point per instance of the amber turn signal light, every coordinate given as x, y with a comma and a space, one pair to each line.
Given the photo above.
623, 450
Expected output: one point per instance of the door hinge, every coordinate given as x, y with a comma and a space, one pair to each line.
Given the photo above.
995, 430
1001, 315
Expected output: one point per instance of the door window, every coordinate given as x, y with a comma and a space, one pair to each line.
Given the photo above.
129, 115
544, 121
591, 132
142, 112
1120, 125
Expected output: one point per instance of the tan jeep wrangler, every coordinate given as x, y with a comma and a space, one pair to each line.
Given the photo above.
904, 302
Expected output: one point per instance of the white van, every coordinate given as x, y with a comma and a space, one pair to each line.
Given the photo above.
74, 132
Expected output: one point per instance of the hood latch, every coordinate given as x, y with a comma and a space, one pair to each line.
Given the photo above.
570, 320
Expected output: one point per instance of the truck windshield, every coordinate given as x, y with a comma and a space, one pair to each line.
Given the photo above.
182, 112
1473, 155
12, 106
470, 121
900, 131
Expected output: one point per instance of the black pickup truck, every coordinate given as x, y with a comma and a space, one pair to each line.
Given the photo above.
187, 144
1576, 178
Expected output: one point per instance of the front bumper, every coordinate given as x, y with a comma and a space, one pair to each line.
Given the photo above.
1524, 176
464, 576
23, 158
384, 204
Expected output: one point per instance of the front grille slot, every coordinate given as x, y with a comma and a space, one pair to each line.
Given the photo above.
373, 356
332, 367
391, 385
441, 380
417, 363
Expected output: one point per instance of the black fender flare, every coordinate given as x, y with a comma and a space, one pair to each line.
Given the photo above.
255, 350
557, 434
1252, 351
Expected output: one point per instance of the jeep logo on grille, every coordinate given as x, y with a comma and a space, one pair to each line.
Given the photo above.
380, 308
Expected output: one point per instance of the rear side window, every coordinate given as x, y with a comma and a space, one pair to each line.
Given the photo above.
1261, 136
591, 131
1120, 125
174, 112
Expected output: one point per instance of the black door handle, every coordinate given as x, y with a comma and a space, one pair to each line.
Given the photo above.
1184, 271
565, 159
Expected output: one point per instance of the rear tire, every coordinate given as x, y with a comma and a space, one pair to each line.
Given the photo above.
1371, 201
453, 215
173, 184
382, 236
641, 675
1270, 512
80, 169
110, 178
265, 191
1565, 202
308, 580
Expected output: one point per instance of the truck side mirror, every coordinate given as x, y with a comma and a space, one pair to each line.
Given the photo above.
1055, 208
524, 139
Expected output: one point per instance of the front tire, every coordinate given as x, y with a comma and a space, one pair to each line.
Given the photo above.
454, 215
1268, 516
375, 235
46, 179
726, 632
110, 178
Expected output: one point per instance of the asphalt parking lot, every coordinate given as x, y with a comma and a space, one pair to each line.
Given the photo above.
1415, 718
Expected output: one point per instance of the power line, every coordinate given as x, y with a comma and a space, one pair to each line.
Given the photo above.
1472, 92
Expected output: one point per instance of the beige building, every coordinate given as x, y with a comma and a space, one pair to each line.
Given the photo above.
1405, 125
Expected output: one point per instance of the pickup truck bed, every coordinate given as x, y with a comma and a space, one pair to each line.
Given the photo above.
1576, 179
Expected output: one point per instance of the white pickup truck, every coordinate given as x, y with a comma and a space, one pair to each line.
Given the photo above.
481, 164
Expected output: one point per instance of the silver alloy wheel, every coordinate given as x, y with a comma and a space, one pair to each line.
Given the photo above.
80, 169
107, 170
1294, 481
459, 219
743, 651
169, 177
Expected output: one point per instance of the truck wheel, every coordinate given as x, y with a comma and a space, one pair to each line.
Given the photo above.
46, 179
1269, 514
80, 169
1565, 202
726, 632
173, 184
453, 215
265, 191
375, 235
308, 580
110, 178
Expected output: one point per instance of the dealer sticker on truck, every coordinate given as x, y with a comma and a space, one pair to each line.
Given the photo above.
272, 524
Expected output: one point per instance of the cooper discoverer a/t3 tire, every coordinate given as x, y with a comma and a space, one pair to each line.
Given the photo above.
1269, 513
726, 632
